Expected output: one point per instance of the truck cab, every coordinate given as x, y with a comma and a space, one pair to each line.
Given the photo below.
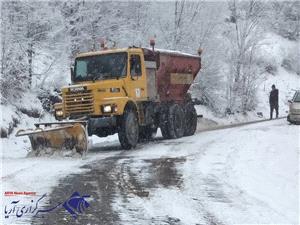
102, 83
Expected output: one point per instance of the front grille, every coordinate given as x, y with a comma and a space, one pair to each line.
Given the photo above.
79, 102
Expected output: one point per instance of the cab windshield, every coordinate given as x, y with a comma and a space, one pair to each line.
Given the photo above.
100, 67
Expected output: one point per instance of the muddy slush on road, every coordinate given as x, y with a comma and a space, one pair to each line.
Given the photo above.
107, 179
118, 179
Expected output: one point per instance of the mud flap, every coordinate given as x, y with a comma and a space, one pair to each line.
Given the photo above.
59, 137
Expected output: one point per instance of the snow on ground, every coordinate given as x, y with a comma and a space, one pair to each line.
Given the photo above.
210, 118
245, 175
274, 50
239, 175
39, 174
20, 173
255, 177
285, 81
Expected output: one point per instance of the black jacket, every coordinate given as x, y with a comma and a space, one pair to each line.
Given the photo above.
273, 100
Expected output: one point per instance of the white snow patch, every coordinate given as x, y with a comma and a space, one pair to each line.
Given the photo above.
243, 175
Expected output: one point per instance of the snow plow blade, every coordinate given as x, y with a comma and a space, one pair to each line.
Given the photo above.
58, 136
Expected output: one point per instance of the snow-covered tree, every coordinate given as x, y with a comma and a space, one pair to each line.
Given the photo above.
14, 67
284, 18
25, 29
243, 36
39, 40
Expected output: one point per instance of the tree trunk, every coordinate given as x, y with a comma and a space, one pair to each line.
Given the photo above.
29, 56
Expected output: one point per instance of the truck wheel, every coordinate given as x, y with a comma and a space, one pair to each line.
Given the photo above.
164, 124
147, 133
129, 130
190, 124
176, 121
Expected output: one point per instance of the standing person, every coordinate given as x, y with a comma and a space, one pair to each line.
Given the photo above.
273, 100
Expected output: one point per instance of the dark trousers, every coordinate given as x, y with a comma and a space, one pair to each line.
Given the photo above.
272, 107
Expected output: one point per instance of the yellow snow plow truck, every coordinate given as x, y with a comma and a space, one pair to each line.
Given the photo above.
130, 91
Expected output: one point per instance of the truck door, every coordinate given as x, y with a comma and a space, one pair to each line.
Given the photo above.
137, 84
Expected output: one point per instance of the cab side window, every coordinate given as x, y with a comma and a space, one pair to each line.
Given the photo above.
135, 65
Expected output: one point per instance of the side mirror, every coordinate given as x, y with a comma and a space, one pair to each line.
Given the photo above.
72, 73
290, 101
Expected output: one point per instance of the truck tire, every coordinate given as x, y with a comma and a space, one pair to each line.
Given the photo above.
147, 133
176, 121
129, 129
164, 124
190, 115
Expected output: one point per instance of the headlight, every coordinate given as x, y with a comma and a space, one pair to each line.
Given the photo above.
59, 113
106, 108
115, 108
109, 108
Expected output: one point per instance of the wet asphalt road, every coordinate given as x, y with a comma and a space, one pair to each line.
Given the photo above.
108, 179
113, 181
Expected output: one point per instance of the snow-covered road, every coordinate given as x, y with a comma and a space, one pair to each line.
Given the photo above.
247, 174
